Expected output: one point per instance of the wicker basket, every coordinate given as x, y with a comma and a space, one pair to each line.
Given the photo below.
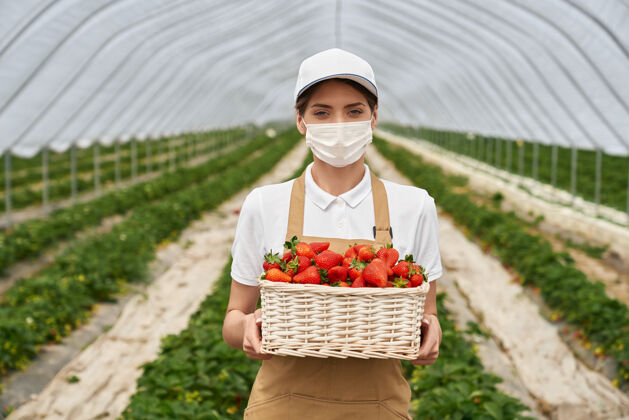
322, 321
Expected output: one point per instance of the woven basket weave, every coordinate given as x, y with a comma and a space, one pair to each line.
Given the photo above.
322, 321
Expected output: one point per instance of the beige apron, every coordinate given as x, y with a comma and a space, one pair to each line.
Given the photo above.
302, 388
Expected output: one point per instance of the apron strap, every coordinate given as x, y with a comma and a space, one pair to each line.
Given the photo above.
382, 228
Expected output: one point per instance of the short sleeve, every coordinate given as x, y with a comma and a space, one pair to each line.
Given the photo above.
248, 247
427, 240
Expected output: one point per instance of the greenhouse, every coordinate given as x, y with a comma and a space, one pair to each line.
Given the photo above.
153, 151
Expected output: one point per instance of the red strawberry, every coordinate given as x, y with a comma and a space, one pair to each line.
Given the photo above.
389, 254
358, 282
401, 282
351, 253
417, 280
366, 253
347, 262
271, 261
389, 283
275, 274
376, 273
302, 248
337, 273
319, 246
297, 265
287, 256
328, 259
401, 269
356, 269
309, 276
343, 284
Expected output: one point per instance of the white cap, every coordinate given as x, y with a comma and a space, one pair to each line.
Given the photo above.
335, 63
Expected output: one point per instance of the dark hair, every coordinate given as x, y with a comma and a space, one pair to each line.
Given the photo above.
304, 97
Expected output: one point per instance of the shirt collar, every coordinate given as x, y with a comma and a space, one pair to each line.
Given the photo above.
323, 198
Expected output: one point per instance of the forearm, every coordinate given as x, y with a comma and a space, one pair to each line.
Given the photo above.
233, 328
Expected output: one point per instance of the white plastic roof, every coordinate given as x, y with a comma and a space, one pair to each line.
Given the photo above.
100, 70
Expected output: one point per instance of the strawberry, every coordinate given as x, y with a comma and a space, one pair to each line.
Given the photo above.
304, 249
287, 256
366, 253
402, 268
343, 284
337, 273
297, 265
271, 261
358, 282
298, 248
328, 259
389, 254
351, 253
376, 273
309, 276
417, 280
401, 282
319, 246
347, 262
275, 274
356, 269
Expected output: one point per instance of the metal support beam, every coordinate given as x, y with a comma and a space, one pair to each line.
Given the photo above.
148, 155
597, 187
573, 173
134, 159
44, 172
117, 163
7, 188
73, 171
553, 169
535, 159
96, 169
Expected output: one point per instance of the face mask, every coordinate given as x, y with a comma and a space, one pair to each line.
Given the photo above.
339, 144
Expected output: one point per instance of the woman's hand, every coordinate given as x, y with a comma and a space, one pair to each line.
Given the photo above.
252, 338
430, 341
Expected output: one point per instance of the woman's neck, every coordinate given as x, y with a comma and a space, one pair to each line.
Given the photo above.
337, 181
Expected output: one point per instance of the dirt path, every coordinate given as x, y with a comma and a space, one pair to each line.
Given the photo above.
534, 359
108, 368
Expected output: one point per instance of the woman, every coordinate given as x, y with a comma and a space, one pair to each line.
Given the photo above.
338, 200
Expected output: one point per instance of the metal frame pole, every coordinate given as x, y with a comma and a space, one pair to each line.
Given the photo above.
597, 188
96, 169
160, 151
553, 169
44, 171
171, 155
73, 171
117, 163
509, 151
148, 155
535, 159
134, 160
573, 173
521, 158
7, 188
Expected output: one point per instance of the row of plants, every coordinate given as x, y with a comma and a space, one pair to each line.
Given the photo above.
84, 156
601, 321
45, 307
62, 187
196, 374
32, 237
494, 151
60, 170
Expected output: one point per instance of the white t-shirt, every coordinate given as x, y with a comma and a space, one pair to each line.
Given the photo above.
263, 222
